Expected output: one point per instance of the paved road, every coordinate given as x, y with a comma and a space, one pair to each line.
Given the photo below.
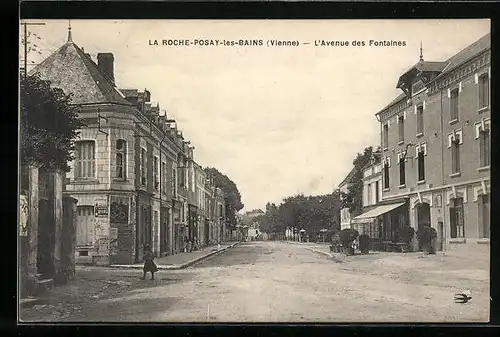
278, 282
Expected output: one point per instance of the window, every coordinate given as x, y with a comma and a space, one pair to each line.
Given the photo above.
164, 177
484, 91
386, 135
182, 173
386, 175
156, 183
85, 159
120, 158
455, 154
174, 182
421, 165
402, 178
369, 195
454, 104
143, 166
457, 218
484, 215
420, 120
401, 125
484, 146
377, 196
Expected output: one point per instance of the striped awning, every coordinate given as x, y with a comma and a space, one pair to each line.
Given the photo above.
372, 214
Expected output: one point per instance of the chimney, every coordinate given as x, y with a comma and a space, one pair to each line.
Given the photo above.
105, 61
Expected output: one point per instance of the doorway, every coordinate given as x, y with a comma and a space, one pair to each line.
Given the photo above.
46, 240
423, 218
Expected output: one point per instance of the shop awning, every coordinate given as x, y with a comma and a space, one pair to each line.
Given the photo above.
375, 212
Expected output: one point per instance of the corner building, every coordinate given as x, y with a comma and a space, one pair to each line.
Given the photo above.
129, 173
436, 148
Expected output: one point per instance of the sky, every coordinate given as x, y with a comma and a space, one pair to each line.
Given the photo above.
278, 121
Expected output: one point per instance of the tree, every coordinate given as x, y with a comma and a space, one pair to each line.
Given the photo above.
354, 196
48, 124
232, 194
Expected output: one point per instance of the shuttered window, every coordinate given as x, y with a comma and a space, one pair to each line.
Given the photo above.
484, 147
421, 166
85, 159
484, 91
454, 104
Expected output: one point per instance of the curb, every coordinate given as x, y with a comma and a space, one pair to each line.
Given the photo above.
212, 254
324, 253
176, 267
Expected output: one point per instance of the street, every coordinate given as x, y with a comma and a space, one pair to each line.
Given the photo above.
277, 282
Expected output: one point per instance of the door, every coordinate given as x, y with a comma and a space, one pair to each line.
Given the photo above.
84, 225
163, 231
207, 232
121, 234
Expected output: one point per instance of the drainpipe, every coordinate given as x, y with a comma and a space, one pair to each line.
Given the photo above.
160, 188
442, 171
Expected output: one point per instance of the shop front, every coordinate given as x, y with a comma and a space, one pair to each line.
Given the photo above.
381, 223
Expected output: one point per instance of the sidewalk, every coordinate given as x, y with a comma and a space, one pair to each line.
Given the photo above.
182, 260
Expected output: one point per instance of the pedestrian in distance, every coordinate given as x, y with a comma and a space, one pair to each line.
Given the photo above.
149, 264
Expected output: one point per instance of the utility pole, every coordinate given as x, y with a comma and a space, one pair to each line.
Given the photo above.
26, 24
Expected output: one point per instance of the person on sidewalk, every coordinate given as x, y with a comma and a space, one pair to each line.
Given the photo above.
149, 263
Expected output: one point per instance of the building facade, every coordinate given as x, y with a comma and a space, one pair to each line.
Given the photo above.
436, 146
345, 214
133, 173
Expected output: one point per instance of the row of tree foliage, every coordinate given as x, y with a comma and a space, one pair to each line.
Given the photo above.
311, 213
232, 195
48, 124
353, 199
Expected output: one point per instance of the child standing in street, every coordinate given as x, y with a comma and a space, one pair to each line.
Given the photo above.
149, 264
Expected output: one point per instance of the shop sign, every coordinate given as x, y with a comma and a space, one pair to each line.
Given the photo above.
101, 208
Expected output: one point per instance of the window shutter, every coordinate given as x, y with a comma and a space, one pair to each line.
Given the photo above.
417, 151
451, 138
478, 128
459, 134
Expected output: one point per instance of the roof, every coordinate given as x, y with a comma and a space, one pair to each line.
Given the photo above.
448, 65
130, 92
347, 178
467, 53
394, 102
70, 69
